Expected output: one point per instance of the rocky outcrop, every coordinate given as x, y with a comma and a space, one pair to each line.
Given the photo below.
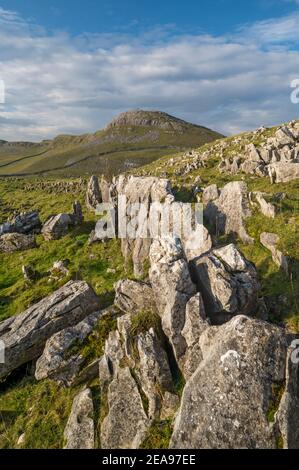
196, 323
171, 282
135, 374
228, 283
288, 411
93, 193
155, 375
283, 172
197, 243
270, 241
23, 223
11, 242
267, 208
276, 157
58, 226
135, 190
228, 402
134, 296
144, 191
227, 214
126, 423
80, 430
25, 335
210, 193
61, 360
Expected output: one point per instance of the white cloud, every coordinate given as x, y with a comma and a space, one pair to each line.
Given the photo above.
56, 83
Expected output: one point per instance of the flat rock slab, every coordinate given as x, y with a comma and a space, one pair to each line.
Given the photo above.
24, 336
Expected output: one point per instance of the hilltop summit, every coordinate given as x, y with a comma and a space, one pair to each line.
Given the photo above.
154, 119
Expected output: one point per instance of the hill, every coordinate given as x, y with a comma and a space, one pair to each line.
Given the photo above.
132, 139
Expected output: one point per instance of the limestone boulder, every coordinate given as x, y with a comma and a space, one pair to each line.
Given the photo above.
93, 193
80, 430
228, 402
126, 423
134, 296
270, 241
172, 286
24, 223
227, 214
11, 242
24, 336
228, 283
60, 360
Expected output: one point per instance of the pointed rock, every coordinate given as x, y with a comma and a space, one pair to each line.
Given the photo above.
126, 423
79, 432
93, 193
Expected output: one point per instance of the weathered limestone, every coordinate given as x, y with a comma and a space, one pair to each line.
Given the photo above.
23, 223
195, 324
93, 193
171, 403
25, 335
283, 172
267, 209
155, 375
210, 193
79, 432
171, 282
58, 226
228, 283
126, 423
227, 213
58, 361
226, 403
11, 242
136, 190
134, 296
288, 411
270, 241
198, 243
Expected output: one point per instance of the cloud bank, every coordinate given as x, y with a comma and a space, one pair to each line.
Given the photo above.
57, 83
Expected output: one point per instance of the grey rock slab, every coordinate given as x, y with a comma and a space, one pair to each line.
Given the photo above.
80, 431
25, 335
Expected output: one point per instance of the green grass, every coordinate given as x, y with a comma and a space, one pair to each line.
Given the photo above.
277, 393
143, 321
40, 410
93, 346
159, 435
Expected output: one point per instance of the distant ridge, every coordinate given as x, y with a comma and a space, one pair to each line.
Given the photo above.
131, 139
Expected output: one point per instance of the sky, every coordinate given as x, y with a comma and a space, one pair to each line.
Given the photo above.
71, 66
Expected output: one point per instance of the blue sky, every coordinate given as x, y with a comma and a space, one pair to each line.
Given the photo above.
70, 66
211, 16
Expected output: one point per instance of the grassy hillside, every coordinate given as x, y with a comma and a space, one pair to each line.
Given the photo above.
40, 409
130, 140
